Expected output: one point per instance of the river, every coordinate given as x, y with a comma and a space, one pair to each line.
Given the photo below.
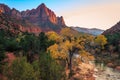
103, 72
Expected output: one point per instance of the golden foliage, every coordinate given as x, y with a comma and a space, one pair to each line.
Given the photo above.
68, 32
86, 55
70, 44
53, 35
62, 50
101, 40
57, 51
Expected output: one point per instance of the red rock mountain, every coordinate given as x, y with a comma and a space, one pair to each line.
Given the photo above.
35, 20
114, 29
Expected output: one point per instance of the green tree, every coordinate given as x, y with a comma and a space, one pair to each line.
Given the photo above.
49, 68
114, 40
2, 49
36, 68
44, 42
20, 69
2, 57
11, 45
29, 45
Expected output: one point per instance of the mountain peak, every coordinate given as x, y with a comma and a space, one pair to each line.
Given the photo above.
41, 6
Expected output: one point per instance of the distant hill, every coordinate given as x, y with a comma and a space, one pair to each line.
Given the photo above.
35, 20
93, 31
113, 30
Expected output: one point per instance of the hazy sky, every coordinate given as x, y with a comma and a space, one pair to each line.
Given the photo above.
101, 14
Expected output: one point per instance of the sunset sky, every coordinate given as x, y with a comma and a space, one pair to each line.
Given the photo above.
101, 14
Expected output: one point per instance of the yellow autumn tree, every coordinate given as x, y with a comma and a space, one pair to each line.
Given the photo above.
101, 40
67, 48
57, 51
68, 33
54, 36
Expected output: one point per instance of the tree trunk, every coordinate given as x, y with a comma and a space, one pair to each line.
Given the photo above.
70, 64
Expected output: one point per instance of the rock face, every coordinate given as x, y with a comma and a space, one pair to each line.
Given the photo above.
14, 26
41, 17
60, 21
15, 13
114, 29
4, 8
92, 31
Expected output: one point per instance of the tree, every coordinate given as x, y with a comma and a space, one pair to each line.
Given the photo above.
52, 35
36, 68
2, 49
66, 49
2, 57
49, 68
11, 45
43, 41
111, 49
20, 69
114, 40
101, 40
29, 44
57, 52
67, 32
86, 56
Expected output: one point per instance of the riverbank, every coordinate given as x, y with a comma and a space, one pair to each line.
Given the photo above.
85, 71
103, 72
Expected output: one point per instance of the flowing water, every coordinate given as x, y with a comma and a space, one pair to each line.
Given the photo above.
103, 72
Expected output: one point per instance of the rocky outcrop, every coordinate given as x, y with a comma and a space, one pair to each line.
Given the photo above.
60, 21
114, 29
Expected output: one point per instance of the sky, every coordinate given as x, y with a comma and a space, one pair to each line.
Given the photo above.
101, 14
